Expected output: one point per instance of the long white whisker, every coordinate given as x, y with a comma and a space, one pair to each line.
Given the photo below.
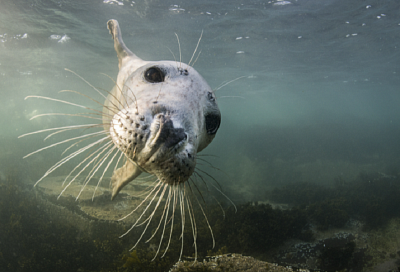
172, 217
142, 214
166, 211
205, 217
229, 82
182, 208
194, 227
65, 114
88, 157
99, 151
57, 128
151, 215
84, 80
144, 200
201, 35
69, 129
180, 53
224, 196
58, 100
95, 169
105, 170
62, 142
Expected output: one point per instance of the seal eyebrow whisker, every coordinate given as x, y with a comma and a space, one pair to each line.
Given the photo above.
174, 57
195, 60
180, 53
201, 35
229, 82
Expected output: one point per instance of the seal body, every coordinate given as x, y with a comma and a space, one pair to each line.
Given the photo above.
160, 115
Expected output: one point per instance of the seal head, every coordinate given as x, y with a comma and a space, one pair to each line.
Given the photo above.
162, 113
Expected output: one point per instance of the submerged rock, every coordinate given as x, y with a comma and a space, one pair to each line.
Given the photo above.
230, 263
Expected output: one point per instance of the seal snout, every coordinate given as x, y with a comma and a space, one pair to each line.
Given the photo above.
168, 135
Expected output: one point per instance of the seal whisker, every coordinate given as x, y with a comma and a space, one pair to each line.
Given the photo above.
180, 53
210, 177
84, 80
143, 201
70, 129
151, 215
174, 197
67, 158
105, 170
193, 224
232, 96
66, 114
136, 105
201, 35
182, 209
205, 217
84, 160
198, 55
166, 209
220, 191
94, 169
174, 57
229, 82
162, 216
110, 93
62, 101
78, 142
142, 214
57, 128
65, 141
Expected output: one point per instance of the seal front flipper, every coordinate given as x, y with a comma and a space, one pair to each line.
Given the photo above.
122, 176
122, 51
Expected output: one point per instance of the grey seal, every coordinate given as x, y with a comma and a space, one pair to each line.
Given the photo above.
162, 113
158, 116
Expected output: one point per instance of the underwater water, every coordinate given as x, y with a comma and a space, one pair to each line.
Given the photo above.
318, 98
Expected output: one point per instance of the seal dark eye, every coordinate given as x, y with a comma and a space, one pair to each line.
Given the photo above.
212, 123
154, 75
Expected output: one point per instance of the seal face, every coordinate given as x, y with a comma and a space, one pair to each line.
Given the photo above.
163, 113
